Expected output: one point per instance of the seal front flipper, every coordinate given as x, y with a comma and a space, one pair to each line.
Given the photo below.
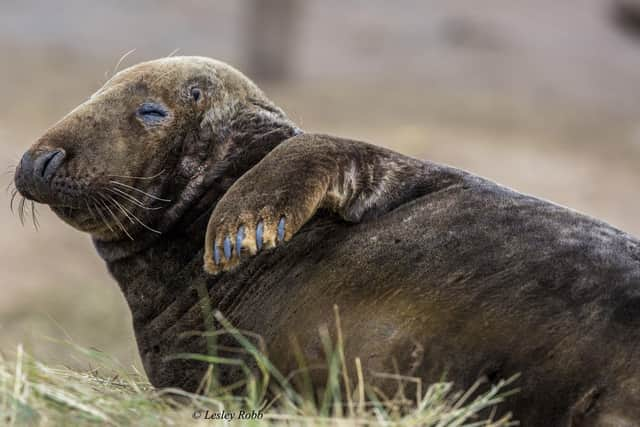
273, 200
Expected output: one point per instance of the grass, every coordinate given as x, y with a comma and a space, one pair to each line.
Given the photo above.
33, 393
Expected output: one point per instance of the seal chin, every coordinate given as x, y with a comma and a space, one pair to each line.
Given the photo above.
65, 197
87, 221
78, 218
40, 178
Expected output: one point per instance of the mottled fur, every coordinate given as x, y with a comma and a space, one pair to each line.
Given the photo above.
434, 270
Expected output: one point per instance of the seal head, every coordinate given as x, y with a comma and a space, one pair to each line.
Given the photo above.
156, 136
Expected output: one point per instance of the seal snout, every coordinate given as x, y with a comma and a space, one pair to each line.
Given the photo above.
36, 169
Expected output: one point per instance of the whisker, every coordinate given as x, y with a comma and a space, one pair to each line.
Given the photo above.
131, 214
140, 191
122, 58
132, 199
86, 202
160, 77
34, 216
119, 206
173, 52
11, 170
9, 186
119, 192
122, 227
103, 203
21, 210
13, 198
104, 219
139, 177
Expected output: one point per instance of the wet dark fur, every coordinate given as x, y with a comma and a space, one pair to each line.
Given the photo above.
485, 280
464, 277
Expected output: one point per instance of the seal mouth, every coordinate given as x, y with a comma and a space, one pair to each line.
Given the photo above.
106, 206
69, 197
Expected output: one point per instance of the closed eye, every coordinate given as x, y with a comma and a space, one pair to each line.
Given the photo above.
152, 113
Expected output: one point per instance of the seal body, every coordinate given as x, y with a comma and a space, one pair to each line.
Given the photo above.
434, 271
471, 280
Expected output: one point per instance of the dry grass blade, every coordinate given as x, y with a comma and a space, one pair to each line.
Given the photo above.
33, 393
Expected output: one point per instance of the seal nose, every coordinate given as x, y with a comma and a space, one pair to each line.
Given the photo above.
46, 164
35, 171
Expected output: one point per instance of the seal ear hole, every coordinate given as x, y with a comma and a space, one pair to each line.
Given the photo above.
196, 93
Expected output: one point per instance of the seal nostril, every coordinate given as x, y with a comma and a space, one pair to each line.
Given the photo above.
47, 164
47, 160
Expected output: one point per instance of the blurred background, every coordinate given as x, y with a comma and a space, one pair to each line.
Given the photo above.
539, 95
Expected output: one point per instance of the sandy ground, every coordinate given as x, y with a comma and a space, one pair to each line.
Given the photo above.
536, 108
